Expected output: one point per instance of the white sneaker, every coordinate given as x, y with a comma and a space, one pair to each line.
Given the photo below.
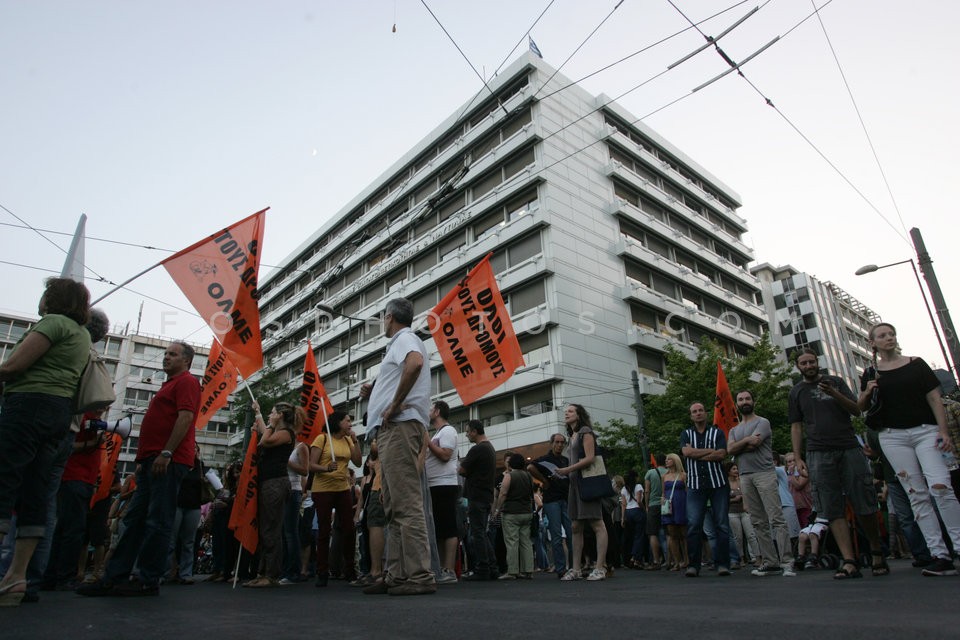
597, 574
446, 577
788, 571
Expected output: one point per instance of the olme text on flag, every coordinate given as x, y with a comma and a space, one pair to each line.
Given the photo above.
219, 277
473, 333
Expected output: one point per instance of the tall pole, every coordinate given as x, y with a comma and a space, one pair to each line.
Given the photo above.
939, 304
638, 401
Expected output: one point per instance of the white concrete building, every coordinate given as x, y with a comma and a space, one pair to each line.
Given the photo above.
608, 244
806, 312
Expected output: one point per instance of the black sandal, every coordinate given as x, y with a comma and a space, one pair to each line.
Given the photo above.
846, 574
880, 568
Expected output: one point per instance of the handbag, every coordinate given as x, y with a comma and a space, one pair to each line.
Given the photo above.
666, 506
876, 402
95, 388
594, 483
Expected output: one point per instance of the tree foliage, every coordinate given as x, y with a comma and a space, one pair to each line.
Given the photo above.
689, 381
269, 389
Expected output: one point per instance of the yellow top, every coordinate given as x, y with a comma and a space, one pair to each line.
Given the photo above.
338, 480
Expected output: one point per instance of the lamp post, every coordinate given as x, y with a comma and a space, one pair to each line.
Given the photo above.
350, 319
870, 268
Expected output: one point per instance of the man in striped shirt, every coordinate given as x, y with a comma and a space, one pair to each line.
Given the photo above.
704, 447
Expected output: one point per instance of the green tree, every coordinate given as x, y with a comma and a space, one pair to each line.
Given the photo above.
268, 389
689, 381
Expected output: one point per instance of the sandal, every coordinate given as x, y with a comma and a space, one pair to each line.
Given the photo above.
847, 574
571, 575
880, 568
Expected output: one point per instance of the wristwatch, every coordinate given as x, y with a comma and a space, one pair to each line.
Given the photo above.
166, 454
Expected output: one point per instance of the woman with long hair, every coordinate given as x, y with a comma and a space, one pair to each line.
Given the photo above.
278, 436
675, 494
583, 449
332, 491
39, 381
903, 400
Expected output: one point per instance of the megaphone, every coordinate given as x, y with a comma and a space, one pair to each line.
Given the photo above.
214, 480
121, 426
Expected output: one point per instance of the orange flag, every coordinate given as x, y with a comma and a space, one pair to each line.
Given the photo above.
311, 394
474, 335
109, 454
219, 381
724, 409
243, 517
219, 277
653, 462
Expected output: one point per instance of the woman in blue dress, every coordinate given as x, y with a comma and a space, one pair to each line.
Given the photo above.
675, 494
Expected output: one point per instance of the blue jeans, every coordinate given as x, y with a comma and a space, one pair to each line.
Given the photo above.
719, 499
558, 521
291, 535
38, 563
149, 520
184, 530
484, 559
635, 545
901, 506
32, 429
73, 503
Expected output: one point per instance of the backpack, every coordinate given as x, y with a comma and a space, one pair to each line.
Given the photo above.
95, 388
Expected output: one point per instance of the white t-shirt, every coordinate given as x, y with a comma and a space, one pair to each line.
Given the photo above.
632, 500
440, 473
417, 401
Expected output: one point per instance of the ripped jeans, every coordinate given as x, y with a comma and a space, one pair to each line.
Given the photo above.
916, 460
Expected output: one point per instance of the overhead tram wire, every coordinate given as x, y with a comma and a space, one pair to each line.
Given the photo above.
863, 124
476, 95
61, 249
440, 24
737, 66
580, 46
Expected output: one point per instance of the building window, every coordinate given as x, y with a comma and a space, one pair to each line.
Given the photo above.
527, 297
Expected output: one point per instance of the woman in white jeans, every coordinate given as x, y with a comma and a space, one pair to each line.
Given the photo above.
908, 412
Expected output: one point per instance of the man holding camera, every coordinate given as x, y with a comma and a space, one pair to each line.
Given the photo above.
821, 406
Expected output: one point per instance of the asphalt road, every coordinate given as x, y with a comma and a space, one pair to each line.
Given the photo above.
632, 604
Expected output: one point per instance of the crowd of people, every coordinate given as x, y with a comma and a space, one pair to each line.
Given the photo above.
421, 515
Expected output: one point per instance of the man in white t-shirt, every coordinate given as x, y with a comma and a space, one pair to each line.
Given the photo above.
399, 404
442, 478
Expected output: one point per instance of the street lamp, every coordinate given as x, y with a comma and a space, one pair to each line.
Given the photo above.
350, 319
870, 268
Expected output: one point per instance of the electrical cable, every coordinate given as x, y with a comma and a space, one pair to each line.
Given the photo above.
863, 124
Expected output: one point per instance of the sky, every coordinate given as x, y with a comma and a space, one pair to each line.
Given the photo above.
164, 122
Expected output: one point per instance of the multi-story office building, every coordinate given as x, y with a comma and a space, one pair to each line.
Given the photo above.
136, 363
806, 312
608, 244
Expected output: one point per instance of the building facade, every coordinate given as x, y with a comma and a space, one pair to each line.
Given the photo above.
608, 244
136, 363
806, 312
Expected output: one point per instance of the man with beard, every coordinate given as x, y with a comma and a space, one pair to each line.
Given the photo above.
820, 406
750, 442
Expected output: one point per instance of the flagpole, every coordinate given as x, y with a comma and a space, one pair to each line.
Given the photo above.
323, 407
236, 569
124, 283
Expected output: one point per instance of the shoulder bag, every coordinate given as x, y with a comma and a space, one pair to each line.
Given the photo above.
95, 388
594, 483
666, 504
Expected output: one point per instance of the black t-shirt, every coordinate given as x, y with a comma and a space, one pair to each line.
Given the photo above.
826, 423
903, 395
559, 487
480, 465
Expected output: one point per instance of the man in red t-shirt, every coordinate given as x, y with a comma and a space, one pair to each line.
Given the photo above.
164, 456
73, 503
